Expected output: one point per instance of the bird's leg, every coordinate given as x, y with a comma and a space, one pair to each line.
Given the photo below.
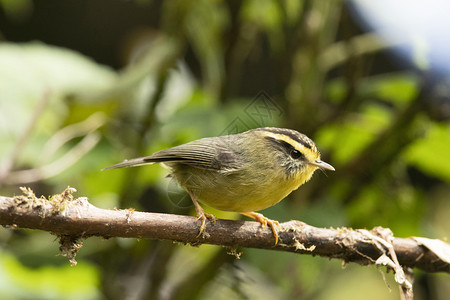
264, 221
201, 215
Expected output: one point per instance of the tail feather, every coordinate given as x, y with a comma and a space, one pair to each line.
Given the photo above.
130, 163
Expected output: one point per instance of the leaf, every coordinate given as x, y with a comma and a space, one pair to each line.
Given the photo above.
430, 154
47, 281
36, 66
346, 140
396, 88
438, 247
35, 74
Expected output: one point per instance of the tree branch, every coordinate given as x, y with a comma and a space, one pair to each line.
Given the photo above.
72, 219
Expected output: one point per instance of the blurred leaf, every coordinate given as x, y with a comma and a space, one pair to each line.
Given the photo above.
336, 89
159, 56
265, 13
203, 24
402, 211
430, 154
348, 139
293, 10
268, 15
17, 10
36, 74
180, 89
242, 281
47, 282
35, 67
395, 88
355, 282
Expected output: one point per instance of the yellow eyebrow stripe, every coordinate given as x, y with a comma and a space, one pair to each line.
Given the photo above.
294, 143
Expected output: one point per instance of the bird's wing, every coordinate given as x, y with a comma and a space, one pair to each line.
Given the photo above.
207, 153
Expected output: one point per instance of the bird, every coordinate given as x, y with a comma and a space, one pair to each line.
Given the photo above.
245, 172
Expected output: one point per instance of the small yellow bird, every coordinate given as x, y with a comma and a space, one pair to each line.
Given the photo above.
243, 172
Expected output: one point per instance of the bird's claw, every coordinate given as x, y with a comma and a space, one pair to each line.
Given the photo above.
265, 221
203, 217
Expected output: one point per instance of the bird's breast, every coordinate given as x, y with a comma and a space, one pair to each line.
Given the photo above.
237, 191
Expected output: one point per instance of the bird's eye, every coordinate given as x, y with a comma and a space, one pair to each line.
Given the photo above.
295, 154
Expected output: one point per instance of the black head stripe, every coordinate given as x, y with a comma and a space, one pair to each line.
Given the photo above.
296, 136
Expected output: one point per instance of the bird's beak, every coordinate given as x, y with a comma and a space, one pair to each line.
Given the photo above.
321, 164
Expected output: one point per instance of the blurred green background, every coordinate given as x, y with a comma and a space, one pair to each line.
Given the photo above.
86, 84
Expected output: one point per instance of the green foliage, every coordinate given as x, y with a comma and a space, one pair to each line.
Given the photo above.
397, 88
355, 133
47, 282
429, 153
202, 69
35, 76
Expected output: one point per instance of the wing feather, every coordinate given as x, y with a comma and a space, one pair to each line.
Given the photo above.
206, 153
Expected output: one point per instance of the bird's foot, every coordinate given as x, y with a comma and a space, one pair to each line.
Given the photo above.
264, 221
201, 215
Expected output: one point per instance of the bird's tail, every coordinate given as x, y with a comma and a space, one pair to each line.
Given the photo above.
130, 163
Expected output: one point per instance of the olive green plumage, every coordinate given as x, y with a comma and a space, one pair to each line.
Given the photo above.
242, 172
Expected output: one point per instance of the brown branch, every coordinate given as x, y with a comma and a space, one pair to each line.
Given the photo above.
77, 218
